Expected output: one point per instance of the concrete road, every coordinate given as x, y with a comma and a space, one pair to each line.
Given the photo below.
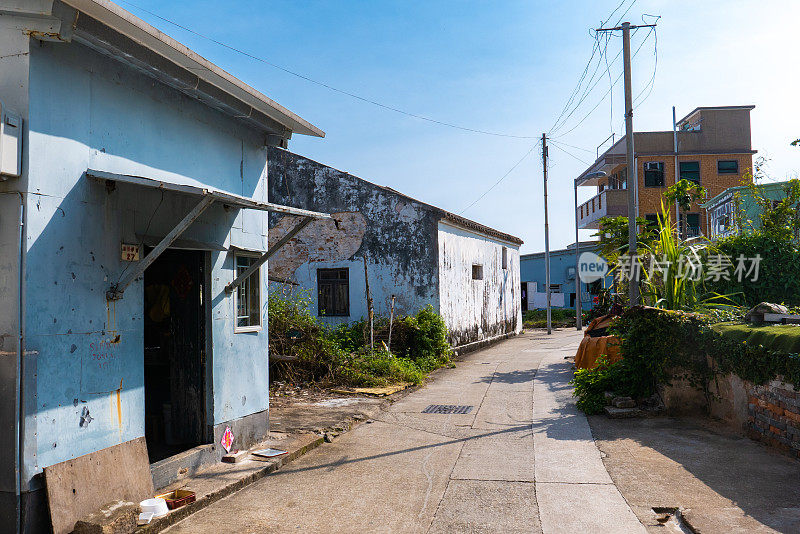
522, 460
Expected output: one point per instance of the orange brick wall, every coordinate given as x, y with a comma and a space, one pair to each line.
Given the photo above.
650, 197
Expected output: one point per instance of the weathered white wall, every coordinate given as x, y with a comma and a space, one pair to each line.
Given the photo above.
396, 235
477, 309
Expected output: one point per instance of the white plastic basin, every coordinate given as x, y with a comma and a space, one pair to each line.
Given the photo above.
157, 506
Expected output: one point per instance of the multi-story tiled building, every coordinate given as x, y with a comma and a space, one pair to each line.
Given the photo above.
713, 149
736, 209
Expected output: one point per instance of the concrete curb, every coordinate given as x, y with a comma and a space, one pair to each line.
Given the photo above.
327, 434
182, 513
462, 350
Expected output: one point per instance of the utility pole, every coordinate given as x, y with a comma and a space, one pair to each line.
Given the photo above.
546, 235
632, 180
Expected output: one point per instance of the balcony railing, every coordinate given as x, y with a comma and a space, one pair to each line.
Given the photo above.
608, 203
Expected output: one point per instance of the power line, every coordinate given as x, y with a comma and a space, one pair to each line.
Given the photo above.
556, 143
651, 83
595, 49
323, 84
575, 147
607, 92
517, 164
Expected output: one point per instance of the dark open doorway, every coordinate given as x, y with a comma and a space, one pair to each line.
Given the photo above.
174, 353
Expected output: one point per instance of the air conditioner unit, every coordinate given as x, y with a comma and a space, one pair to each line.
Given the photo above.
10, 143
652, 166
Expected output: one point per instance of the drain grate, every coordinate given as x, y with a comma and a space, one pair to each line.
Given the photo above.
447, 409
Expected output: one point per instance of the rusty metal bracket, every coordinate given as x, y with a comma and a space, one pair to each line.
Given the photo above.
115, 292
264, 257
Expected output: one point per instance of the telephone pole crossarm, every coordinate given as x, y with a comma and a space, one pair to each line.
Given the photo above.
631, 27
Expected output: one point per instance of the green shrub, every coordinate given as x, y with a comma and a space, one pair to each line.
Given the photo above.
340, 354
591, 385
658, 346
779, 269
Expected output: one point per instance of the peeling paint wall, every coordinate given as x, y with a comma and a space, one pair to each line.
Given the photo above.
477, 309
321, 241
410, 252
85, 385
396, 234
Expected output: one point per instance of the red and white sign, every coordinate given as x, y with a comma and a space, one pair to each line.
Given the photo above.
227, 439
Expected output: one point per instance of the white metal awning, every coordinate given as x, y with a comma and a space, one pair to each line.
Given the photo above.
207, 197
223, 197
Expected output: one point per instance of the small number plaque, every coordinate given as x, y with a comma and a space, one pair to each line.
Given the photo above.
130, 252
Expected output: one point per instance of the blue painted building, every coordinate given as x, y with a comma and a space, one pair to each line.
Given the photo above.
562, 279
137, 196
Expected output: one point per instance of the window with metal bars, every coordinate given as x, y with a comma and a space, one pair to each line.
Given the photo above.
333, 292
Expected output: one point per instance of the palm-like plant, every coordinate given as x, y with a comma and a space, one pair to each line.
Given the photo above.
673, 270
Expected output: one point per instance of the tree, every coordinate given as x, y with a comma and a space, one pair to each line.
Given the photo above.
613, 240
685, 193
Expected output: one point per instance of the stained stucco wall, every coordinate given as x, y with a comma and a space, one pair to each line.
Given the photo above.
87, 111
477, 309
396, 234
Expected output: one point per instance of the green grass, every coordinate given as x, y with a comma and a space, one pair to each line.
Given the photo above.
783, 338
560, 317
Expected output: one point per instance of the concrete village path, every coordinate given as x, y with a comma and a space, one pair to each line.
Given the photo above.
523, 460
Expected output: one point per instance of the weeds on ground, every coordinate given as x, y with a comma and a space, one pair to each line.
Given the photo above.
559, 317
341, 354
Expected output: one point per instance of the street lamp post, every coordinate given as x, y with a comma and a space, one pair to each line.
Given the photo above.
578, 319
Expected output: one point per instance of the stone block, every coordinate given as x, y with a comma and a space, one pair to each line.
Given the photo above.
623, 402
622, 413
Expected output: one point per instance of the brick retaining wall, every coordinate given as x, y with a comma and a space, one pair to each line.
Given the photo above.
774, 416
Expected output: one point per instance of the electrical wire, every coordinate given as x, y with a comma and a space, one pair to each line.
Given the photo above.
651, 83
607, 92
517, 164
595, 49
325, 85
576, 147
555, 144
610, 88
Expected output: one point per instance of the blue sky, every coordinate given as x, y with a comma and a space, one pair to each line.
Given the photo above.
504, 66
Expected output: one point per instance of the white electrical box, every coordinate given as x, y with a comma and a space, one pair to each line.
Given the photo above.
10, 143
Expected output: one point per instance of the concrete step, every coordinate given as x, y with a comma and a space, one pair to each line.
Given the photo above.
222, 479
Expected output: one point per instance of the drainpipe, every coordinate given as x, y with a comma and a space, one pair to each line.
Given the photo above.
23, 255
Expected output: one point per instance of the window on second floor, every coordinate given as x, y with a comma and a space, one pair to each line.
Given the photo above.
727, 166
690, 170
654, 174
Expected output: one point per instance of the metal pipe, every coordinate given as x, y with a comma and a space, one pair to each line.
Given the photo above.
677, 174
23, 253
19, 430
578, 319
